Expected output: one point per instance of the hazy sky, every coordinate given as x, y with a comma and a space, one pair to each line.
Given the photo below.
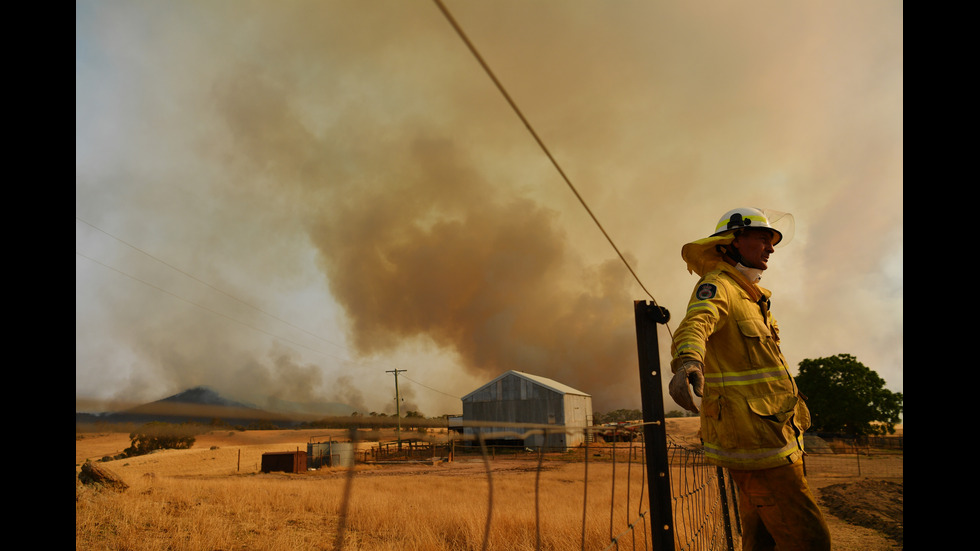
288, 200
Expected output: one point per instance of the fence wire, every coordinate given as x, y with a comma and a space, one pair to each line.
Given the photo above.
704, 501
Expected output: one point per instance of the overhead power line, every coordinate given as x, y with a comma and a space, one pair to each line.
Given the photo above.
432, 389
472, 48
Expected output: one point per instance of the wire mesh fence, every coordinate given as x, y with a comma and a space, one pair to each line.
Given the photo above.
614, 496
705, 507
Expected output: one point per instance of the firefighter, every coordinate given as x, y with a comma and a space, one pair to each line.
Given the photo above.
727, 351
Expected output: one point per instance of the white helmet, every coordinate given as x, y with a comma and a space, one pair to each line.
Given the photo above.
781, 223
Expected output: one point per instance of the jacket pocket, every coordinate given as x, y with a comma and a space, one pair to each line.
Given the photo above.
772, 415
717, 422
759, 344
802, 413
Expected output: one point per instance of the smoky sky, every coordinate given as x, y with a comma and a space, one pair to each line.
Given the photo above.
289, 201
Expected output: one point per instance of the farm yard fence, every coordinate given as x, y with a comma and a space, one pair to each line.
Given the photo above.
668, 498
874, 463
615, 494
703, 505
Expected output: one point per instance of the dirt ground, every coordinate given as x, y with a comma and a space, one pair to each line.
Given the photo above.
873, 504
863, 514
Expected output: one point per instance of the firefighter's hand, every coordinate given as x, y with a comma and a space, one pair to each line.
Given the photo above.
690, 374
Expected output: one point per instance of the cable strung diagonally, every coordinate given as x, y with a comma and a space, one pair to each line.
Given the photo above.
534, 134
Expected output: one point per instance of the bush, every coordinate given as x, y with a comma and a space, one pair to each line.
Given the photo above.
158, 435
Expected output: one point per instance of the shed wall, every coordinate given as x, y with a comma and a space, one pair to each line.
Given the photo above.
329, 454
513, 399
290, 462
578, 415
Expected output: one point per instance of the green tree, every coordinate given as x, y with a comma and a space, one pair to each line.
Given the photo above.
845, 396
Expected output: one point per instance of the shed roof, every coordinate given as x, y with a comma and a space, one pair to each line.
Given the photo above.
543, 381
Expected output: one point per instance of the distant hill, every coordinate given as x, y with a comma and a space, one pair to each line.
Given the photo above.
203, 405
203, 395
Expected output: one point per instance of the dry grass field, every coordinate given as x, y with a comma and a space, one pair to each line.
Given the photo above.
213, 496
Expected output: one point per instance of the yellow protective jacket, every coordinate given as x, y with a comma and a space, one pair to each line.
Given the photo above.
752, 414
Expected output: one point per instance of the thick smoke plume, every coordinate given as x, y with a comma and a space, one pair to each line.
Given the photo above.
444, 254
360, 198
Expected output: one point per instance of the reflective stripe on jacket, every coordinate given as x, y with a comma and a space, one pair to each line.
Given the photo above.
752, 415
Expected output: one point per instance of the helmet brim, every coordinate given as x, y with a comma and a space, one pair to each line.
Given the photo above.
778, 235
781, 223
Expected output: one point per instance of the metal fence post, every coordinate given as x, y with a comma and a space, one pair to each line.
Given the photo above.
654, 429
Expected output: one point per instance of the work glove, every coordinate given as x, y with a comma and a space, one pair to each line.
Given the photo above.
689, 374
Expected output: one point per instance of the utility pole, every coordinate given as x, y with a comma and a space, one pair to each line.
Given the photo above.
398, 406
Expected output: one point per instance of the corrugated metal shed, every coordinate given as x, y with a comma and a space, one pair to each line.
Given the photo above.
517, 397
329, 454
290, 462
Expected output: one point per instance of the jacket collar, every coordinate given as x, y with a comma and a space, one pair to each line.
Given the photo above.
702, 257
755, 291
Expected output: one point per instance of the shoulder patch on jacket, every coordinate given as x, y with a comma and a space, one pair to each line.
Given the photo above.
706, 291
